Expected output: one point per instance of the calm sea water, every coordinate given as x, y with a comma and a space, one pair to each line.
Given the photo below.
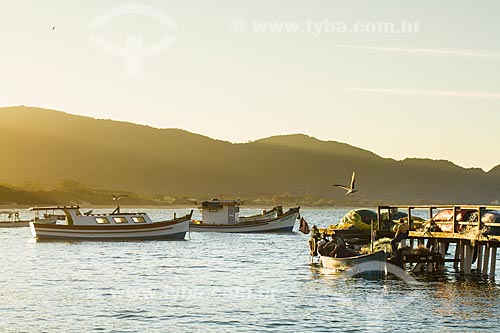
220, 283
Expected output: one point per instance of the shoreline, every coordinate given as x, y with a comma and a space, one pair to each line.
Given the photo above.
25, 207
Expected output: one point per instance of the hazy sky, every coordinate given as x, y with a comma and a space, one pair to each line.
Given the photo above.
224, 69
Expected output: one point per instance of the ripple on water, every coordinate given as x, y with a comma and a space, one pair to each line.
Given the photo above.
219, 282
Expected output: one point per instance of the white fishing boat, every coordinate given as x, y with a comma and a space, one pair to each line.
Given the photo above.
377, 260
336, 255
112, 226
223, 216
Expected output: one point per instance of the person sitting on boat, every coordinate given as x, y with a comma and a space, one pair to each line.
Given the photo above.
336, 248
342, 250
401, 229
325, 248
313, 241
324, 244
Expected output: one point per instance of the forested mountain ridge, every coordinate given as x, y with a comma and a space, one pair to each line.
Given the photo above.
46, 146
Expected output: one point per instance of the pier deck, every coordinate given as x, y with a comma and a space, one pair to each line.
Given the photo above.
475, 242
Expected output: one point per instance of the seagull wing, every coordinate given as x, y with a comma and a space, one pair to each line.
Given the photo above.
342, 186
353, 179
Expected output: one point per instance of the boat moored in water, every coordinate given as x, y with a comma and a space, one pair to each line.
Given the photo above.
376, 260
112, 226
223, 216
10, 218
337, 255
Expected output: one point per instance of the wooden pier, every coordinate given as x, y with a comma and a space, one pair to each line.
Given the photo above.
475, 247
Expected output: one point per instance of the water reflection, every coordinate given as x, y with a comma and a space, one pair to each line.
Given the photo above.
222, 283
466, 298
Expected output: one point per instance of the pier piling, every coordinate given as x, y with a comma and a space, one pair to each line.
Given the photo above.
442, 252
493, 262
468, 259
456, 259
479, 264
462, 257
486, 259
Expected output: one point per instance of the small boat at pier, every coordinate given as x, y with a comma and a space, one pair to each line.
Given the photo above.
223, 216
474, 230
349, 262
337, 255
112, 226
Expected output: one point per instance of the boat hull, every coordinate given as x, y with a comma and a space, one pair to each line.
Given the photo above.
283, 223
378, 258
174, 229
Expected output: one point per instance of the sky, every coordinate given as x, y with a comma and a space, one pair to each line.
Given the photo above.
399, 78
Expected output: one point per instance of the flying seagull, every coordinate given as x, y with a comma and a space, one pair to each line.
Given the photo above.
118, 197
351, 189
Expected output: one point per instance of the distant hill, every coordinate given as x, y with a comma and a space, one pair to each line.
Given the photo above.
46, 146
69, 192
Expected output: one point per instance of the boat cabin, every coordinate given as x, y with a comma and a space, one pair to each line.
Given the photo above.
220, 211
73, 216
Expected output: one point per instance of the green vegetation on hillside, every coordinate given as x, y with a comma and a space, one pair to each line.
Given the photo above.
71, 192
46, 147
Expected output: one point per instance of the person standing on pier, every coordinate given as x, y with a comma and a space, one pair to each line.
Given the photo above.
401, 229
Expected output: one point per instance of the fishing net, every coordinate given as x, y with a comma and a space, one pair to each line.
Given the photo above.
379, 245
354, 221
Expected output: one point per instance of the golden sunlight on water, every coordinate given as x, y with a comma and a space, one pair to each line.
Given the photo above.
219, 282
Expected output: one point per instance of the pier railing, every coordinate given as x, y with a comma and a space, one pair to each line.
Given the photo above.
455, 221
473, 242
